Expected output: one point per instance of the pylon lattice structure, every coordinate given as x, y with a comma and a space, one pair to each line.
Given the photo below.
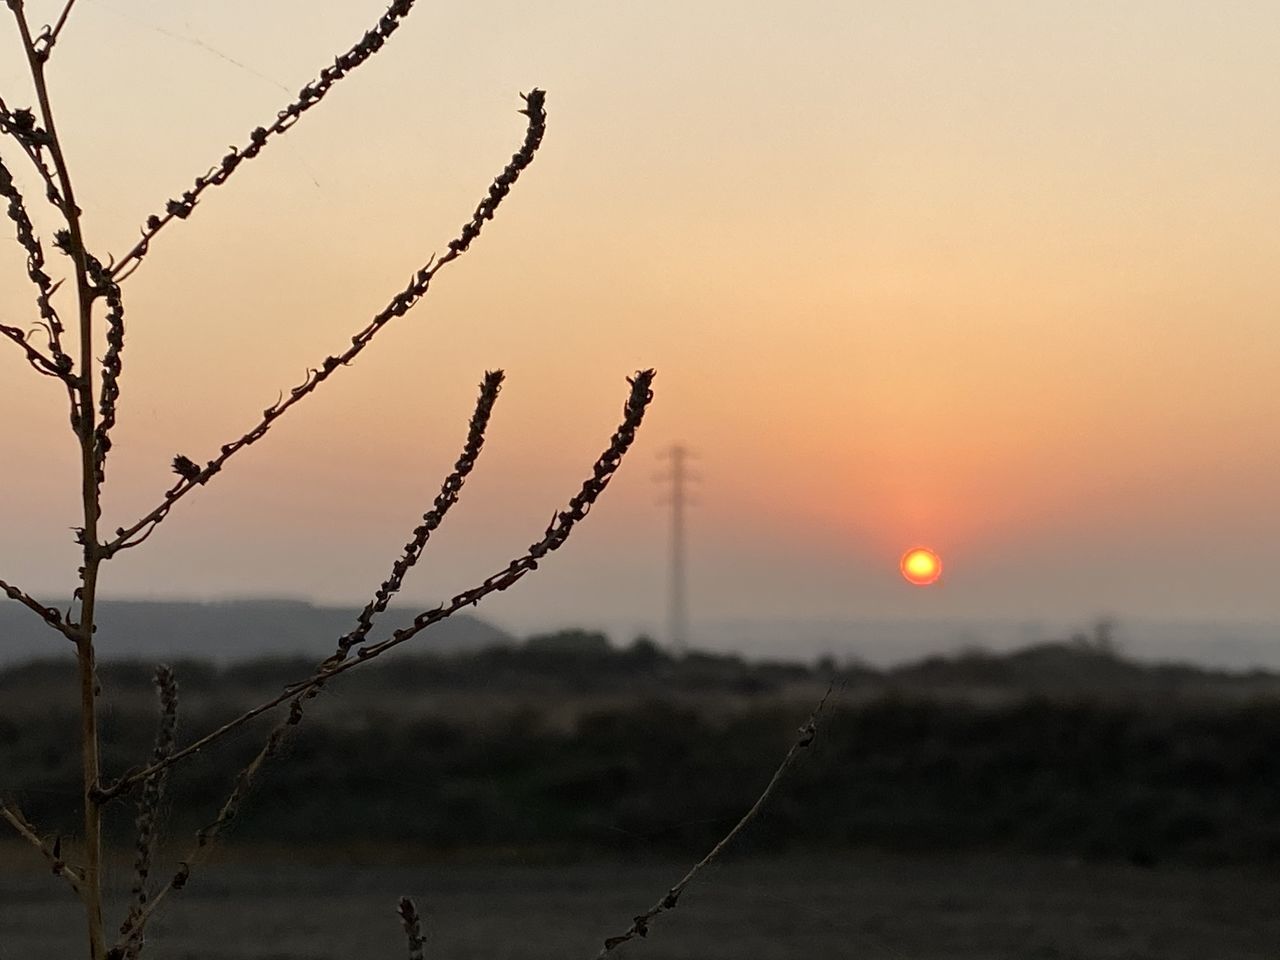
677, 480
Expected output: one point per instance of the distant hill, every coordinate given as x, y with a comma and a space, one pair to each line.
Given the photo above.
225, 630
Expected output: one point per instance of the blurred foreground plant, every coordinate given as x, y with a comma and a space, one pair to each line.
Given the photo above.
66, 354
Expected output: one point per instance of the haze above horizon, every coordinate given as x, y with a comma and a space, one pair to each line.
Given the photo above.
995, 278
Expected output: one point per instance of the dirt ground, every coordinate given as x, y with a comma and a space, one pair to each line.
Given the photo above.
876, 907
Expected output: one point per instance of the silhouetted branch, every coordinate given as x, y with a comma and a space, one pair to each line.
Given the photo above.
94, 417
39, 362
49, 36
83, 415
132, 929
447, 497
640, 924
52, 853
308, 97
21, 125
48, 614
412, 928
112, 365
149, 806
192, 475
432, 519
557, 533
44, 284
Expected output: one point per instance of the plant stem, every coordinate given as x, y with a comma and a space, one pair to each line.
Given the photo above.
84, 423
92, 813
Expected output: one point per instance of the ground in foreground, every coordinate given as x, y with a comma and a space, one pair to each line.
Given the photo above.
871, 906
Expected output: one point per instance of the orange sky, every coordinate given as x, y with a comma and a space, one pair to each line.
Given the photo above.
995, 277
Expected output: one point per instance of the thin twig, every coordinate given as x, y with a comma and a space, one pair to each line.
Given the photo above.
431, 520
135, 924
43, 283
51, 37
53, 854
557, 532
412, 924
308, 97
192, 475
562, 524
39, 362
640, 924
48, 614
149, 807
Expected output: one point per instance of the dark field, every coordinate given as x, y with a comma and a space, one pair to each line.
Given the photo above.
875, 907
1058, 803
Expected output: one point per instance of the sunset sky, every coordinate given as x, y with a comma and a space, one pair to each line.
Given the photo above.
998, 278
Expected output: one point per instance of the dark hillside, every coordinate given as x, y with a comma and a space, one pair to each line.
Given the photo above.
225, 631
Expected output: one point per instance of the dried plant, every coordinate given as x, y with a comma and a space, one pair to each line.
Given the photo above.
640, 923
412, 928
93, 390
149, 809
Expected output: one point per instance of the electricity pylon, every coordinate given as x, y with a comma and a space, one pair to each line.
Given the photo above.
678, 479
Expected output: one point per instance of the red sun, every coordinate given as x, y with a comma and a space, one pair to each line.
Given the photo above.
921, 566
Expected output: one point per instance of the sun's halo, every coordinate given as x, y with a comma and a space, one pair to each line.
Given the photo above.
921, 566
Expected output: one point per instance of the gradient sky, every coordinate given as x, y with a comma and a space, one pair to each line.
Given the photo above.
999, 277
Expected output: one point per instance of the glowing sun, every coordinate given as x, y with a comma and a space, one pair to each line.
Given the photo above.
921, 566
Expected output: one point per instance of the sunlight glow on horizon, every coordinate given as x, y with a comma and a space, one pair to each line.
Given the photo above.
999, 278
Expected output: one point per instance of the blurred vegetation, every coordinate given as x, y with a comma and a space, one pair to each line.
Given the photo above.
567, 745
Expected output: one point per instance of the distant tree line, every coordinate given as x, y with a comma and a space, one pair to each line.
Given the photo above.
667, 768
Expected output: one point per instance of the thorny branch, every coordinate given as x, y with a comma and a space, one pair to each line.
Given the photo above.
640, 924
557, 532
48, 614
308, 97
192, 475
53, 854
